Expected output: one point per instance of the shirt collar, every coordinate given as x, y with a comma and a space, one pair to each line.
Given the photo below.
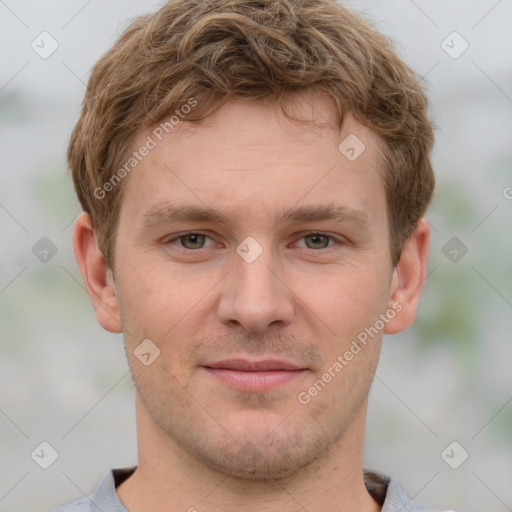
387, 491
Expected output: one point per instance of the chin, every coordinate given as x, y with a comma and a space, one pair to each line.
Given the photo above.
250, 462
266, 450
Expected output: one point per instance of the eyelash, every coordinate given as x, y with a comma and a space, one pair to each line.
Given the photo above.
181, 235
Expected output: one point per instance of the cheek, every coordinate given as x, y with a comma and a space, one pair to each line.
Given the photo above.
149, 300
164, 305
346, 300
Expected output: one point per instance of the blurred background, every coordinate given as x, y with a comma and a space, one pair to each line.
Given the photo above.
440, 413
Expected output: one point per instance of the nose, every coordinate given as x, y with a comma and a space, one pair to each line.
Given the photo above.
256, 296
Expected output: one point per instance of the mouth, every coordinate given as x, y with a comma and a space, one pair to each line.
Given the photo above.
255, 376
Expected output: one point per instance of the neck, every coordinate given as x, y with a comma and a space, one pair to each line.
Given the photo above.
169, 478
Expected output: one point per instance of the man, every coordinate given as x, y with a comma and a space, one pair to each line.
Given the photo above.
254, 176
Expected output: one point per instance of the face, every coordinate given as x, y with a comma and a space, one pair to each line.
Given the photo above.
254, 255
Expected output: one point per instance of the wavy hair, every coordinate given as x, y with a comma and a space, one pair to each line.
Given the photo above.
217, 51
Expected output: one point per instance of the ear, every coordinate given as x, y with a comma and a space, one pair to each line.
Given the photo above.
408, 279
97, 276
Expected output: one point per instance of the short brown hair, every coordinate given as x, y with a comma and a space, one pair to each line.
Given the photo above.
216, 51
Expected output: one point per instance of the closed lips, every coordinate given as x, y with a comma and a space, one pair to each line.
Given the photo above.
253, 366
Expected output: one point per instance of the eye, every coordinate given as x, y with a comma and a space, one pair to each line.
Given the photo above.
317, 241
191, 241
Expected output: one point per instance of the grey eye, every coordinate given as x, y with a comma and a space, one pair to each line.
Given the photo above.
317, 241
193, 241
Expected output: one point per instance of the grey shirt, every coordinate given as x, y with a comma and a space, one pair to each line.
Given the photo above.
387, 491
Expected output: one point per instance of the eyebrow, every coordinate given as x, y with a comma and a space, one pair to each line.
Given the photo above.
166, 214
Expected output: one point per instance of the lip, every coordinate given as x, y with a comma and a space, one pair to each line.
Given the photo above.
255, 376
253, 366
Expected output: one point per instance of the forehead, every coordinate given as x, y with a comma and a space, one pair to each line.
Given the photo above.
248, 155
252, 126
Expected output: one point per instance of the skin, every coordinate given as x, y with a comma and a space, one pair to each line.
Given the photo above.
202, 443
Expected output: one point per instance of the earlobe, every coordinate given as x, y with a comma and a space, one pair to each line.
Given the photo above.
408, 279
97, 277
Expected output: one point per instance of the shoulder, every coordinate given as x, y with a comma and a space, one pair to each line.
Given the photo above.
104, 498
390, 494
